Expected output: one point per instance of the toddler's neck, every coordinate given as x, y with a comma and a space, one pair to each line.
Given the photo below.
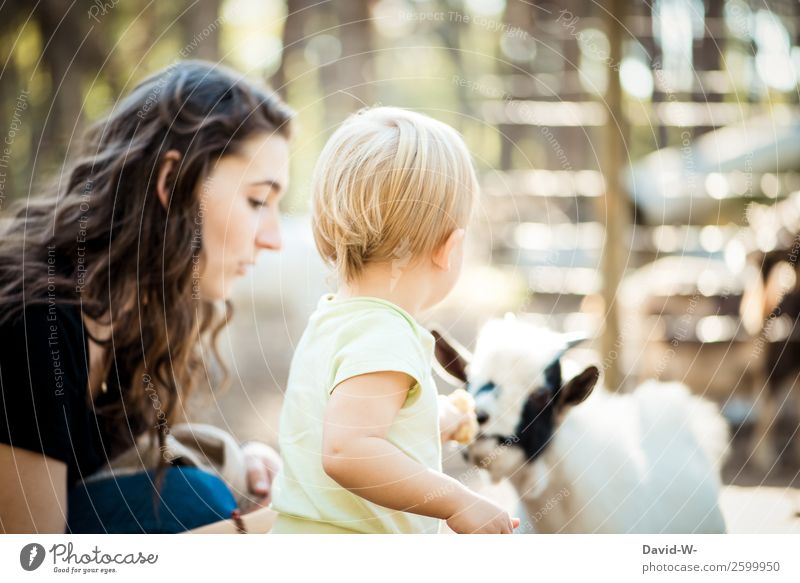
403, 286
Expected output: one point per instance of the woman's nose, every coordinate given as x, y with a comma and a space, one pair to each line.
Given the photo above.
269, 234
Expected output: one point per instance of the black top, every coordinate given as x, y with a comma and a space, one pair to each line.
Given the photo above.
44, 383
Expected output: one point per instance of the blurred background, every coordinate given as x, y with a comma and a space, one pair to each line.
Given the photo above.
640, 164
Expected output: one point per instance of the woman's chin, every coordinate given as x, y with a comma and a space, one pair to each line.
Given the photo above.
217, 293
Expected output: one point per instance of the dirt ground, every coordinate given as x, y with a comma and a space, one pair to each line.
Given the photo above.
271, 309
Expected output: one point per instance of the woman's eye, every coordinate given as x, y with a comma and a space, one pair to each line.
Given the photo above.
256, 203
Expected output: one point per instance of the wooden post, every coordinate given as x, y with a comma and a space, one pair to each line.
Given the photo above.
612, 205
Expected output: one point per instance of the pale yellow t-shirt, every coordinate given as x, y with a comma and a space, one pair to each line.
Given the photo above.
345, 338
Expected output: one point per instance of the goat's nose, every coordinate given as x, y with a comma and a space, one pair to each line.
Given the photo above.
482, 417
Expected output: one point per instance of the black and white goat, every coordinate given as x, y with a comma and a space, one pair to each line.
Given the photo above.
585, 459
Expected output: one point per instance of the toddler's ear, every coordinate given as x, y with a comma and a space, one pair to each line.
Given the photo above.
444, 256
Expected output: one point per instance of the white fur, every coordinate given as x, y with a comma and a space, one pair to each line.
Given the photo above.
647, 461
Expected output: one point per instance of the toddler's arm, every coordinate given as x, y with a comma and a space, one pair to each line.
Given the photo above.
356, 455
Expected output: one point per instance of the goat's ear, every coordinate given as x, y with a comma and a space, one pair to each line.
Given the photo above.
452, 359
578, 388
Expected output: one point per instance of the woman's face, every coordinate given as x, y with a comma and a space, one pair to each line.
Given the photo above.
238, 213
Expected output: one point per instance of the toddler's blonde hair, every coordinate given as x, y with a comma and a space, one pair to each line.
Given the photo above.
389, 185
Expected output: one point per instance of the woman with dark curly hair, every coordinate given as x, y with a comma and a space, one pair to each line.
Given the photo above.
111, 286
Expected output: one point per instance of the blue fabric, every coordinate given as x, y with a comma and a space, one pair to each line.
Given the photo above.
189, 498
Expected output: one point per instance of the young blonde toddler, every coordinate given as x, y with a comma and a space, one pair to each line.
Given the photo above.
362, 427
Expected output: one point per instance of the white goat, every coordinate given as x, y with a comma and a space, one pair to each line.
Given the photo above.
583, 461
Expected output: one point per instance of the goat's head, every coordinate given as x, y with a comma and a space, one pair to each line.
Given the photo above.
520, 395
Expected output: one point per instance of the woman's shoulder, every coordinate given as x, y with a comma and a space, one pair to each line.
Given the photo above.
42, 316
44, 382
42, 337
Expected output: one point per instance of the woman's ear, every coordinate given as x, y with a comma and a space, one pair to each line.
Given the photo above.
443, 256
169, 163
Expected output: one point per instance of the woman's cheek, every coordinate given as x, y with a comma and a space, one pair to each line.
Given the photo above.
246, 229
215, 239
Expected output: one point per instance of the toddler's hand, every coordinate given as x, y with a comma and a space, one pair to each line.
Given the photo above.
481, 516
451, 418
457, 417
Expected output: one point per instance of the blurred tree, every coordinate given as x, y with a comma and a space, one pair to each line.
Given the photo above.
200, 27
76, 59
67, 52
336, 38
298, 11
519, 15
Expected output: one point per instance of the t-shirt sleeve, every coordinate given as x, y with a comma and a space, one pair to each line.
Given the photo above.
376, 342
42, 380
